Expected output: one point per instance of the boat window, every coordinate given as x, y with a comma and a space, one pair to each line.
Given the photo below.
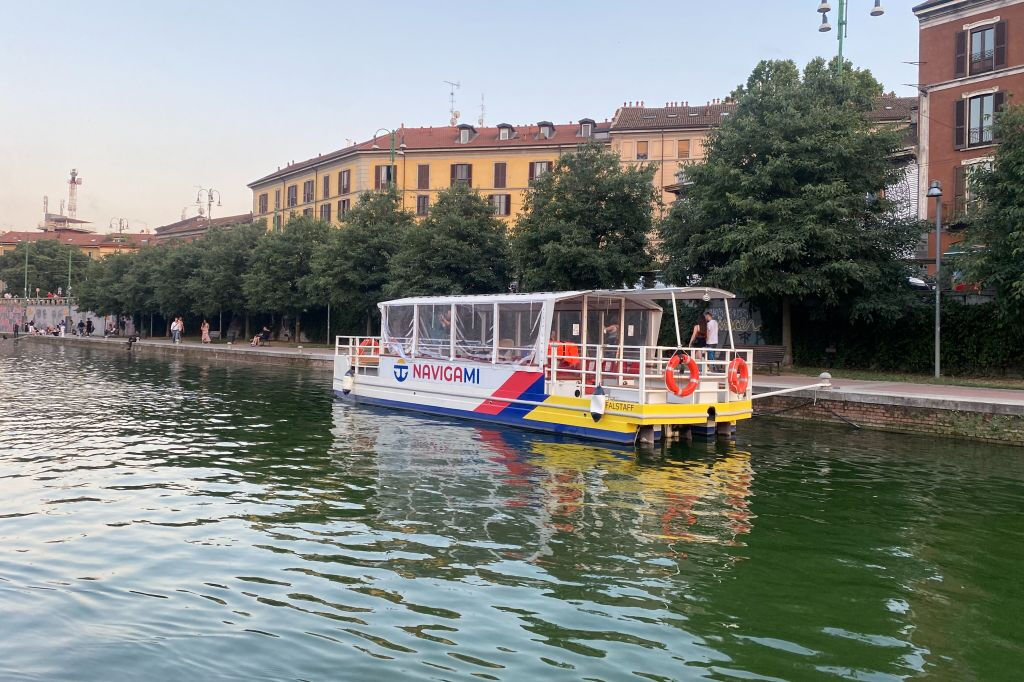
519, 332
474, 331
398, 329
435, 331
569, 325
635, 333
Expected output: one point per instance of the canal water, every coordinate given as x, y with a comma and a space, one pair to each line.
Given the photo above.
188, 521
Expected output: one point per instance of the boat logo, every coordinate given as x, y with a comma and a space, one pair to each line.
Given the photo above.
401, 371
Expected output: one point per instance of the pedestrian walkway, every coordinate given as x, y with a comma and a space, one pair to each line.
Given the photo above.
964, 398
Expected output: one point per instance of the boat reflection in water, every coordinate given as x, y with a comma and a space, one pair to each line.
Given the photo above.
528, 494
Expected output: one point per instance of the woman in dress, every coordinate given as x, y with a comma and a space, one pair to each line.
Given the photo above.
205, 329
699, 337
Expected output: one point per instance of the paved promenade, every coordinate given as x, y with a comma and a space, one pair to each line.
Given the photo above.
961, 398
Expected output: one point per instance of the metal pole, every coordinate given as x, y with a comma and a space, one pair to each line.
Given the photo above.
938, 281
675, 318
328, 322
26, 270
842, 33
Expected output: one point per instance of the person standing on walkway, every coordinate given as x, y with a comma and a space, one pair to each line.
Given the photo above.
712, 334
175, 331
81, 328
88, 327
205, 329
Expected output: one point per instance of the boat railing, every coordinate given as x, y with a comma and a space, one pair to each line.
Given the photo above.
640, 371
633, 373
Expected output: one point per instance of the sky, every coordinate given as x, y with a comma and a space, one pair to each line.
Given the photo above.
150, 101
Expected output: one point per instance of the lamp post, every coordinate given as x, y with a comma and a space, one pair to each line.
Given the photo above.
392, 134
936, 191
824, 8
209, 201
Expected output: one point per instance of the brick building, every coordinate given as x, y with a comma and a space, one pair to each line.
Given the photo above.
971, 64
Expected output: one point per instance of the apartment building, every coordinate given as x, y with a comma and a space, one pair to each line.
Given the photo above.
971, 64
499, 162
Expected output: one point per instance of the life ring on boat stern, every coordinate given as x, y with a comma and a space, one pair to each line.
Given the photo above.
738, 375
368, 345
670, 375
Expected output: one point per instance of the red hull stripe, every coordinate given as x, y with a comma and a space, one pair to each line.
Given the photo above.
513, 387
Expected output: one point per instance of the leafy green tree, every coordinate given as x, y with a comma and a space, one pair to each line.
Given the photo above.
102, 290
175, 265
351, 269
279, 278
788, 205
996, 232
460, 248
224, 254
47, 266
586, 223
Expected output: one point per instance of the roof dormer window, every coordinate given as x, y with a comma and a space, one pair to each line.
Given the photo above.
465, 133
547, 129
505, 131
586, 127
502, 133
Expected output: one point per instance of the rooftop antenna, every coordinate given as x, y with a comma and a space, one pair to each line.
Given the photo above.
451, 103
480, 121
73, 184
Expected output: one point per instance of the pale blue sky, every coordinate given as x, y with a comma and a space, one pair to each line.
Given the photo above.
149, 100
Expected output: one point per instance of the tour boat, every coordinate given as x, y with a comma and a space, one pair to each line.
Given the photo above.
582, 363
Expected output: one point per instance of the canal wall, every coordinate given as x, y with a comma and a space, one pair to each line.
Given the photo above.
991, 422
318, 359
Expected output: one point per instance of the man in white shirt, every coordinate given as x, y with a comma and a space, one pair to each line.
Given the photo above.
712, 338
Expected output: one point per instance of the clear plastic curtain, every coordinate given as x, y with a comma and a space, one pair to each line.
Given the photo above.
397, 329
474, 331
522, 333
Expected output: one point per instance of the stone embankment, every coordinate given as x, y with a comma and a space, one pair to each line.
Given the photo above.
287, 356
992, 415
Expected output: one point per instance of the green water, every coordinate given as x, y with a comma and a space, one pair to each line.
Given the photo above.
179, 521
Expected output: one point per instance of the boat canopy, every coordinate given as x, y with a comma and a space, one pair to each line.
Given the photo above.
517, 327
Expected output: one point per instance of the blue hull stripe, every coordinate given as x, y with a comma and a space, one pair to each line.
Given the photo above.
506, 416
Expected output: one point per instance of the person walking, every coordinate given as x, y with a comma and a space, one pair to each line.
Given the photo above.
711, 325
205, 329
88, 327
176, 330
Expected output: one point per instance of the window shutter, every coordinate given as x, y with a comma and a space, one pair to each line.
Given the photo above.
997, 103
469, 175
959, 191
455, 173
999, 55
423, 181
959, 128
532, 172
960, 54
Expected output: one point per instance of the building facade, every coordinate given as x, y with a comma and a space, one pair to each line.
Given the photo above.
971, 64
498, 162
190, 229
90, 243
501, 162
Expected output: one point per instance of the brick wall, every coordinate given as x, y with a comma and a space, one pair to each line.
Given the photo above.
993, 428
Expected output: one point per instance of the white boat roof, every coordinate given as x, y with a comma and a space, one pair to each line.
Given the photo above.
640, 295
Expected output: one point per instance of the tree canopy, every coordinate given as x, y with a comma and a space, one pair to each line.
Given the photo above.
996, 231
460, 248
223, 258
351, 269
47, 267
789, 204
585, 224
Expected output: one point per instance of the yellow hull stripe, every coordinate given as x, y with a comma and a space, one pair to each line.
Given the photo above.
553, 412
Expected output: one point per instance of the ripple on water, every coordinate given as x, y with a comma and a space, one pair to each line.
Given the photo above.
180, 520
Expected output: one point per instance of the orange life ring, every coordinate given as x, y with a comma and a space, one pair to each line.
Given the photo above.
369, 345
670, 375
738, 375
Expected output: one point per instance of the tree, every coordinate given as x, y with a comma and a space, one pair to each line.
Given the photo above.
460, 248
351, 269
102, 289
996, 232
223, 258
47, 266
789, 205
175, 265
278, 278
586, 223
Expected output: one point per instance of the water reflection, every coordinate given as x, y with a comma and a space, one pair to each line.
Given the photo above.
175, 521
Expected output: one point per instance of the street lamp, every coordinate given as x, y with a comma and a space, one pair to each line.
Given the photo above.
209, 201
824, 8
392, 134
936, 191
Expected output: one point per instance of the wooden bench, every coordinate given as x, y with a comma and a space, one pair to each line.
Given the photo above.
768, 355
